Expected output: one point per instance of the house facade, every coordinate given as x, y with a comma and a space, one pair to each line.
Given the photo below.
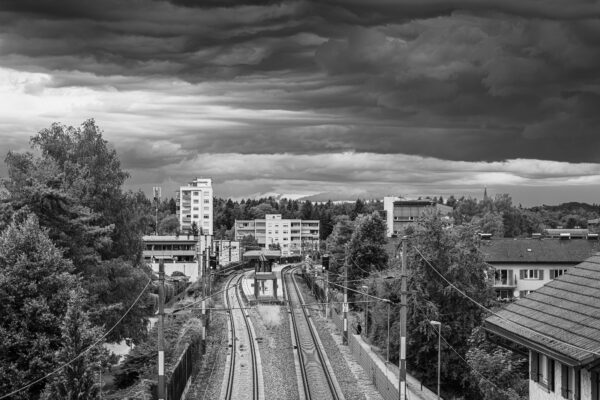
294, 236
559, 324
195, 205
523, 265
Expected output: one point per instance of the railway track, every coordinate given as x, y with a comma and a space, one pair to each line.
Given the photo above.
318, 379
244, 377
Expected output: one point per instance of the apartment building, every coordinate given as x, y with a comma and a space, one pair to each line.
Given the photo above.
195, 204
401, 212
294, 236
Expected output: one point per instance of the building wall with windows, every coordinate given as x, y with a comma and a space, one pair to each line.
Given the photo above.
401, 213
195, 204
294, 236
559, 325
523, 265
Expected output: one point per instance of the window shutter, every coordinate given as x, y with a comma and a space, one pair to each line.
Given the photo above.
510, 277
594, 386
522, 273
551, 274
550, 370
533, 370
541, 274
564, 381
577, 385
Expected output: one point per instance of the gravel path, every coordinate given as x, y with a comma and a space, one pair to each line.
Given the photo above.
271, 324
352, 378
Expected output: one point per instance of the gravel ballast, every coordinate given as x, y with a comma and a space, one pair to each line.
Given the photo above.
271, 324
350, 375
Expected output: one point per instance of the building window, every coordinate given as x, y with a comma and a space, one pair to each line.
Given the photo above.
531, 274
206, 201
196, 193
206, 217
195, 208
195, 201
570, 383
505, 294
542, 370
555, 273
504, 277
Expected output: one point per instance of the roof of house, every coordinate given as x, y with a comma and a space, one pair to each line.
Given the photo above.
507, 250
561, 319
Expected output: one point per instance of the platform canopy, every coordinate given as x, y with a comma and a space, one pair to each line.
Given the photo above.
262, 255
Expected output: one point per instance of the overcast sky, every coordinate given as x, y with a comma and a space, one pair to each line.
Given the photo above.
340, 98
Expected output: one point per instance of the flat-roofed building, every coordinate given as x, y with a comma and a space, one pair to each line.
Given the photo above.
180, 253
401, 213
195, 204
294, 236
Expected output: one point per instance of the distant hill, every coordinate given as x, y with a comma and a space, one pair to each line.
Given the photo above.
570, 207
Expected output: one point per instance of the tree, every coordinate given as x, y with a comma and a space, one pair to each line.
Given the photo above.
500, 374
248, 241
492, 223
77, 380
74, 189
35, 281
453, 252
168, 225
366, 252
336, 245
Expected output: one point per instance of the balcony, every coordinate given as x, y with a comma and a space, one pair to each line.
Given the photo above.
502, 280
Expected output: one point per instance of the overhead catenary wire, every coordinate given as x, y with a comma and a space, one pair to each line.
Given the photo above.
90, 347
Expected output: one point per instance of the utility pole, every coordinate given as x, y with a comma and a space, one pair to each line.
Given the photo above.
345, 306
203, 317
161, 330
403, 307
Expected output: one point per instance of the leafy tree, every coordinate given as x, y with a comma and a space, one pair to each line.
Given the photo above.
248, 241
77, 380
491, 222
35, 281
168, 225
74, 189
194, 229
366, 252
336, 245
500, 374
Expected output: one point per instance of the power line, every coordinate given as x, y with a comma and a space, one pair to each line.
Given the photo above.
84, 351
498, 315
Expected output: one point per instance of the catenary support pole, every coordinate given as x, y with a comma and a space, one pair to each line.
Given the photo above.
345, 306
161, 330
403, 307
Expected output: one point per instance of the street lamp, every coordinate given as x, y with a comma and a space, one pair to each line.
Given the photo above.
439, 326
365, 290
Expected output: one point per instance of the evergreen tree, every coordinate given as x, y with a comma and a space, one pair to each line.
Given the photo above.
78, 379
35, 281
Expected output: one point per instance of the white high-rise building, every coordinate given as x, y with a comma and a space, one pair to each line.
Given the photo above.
195, 204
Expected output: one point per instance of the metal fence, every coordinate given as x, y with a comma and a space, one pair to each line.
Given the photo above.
183, 371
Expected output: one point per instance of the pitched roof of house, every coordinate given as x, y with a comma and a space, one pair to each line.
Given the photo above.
561, 319
508, 250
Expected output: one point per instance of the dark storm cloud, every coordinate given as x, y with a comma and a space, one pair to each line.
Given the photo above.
459, 80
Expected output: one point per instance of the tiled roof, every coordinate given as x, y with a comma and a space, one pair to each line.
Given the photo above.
508, 250
566, 311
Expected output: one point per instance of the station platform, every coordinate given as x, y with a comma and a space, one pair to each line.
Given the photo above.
266, 293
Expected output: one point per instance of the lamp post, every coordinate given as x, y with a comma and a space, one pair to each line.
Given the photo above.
439, 327
365, 290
